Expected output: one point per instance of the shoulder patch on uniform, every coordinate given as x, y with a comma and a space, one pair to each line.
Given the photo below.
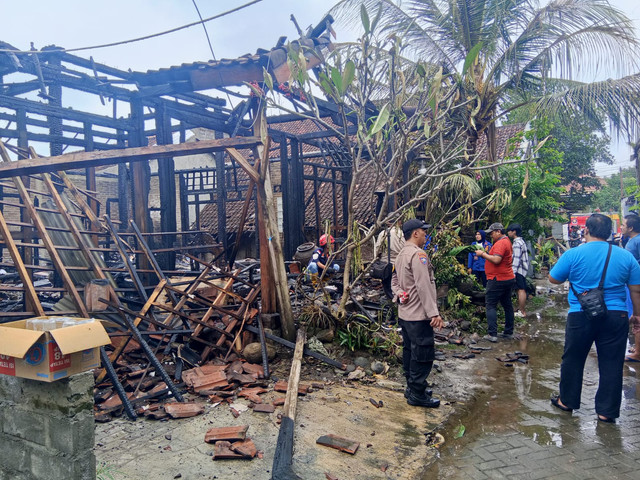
424, 260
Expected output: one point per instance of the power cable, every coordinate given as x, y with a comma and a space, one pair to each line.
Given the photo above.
139, 39
206, 32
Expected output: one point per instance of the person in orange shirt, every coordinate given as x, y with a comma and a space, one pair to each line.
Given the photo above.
500, 282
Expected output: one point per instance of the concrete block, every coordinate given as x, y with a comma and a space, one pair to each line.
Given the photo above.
10, 389
14, 456
68, 395
14, 476
25, 424
71, 435
84, 466
45, 465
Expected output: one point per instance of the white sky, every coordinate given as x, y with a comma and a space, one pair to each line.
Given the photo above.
75, 23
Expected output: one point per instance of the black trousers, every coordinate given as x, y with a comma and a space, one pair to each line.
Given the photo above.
610, 336
499, 291
481, 276
418, 354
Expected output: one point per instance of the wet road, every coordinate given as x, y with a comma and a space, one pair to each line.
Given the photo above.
512, 431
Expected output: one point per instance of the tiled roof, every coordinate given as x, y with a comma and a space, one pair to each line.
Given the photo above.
503, 133
229, 72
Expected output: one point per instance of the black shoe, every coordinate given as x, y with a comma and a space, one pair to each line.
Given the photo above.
407, 392
425, 401
555, 401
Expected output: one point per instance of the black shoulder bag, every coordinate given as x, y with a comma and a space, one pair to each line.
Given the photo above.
592, 301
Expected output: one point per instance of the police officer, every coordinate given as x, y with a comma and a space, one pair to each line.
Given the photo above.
414, 285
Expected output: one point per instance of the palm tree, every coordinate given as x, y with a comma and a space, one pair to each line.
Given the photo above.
508, 50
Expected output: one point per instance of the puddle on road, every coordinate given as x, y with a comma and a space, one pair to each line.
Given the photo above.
517, 400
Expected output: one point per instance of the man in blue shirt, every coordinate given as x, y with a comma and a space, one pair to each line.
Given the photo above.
630, 228
583, 267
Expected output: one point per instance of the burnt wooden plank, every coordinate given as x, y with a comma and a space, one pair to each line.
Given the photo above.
113, 157
284, 447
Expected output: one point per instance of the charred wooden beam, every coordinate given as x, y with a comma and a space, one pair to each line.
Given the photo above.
283, 456
136, 154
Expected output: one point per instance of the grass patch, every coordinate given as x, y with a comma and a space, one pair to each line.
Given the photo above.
535, 303
106, 472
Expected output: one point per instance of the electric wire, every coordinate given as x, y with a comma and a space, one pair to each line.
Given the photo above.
139, 39
213, 55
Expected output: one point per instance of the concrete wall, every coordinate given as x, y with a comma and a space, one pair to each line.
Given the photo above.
47, 429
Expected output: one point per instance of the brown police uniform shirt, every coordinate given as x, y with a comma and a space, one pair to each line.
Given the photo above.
414, 274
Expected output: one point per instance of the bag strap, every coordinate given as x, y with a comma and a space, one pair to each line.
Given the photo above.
606, 264
604, 272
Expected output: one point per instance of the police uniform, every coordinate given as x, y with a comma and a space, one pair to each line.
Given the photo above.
414, 275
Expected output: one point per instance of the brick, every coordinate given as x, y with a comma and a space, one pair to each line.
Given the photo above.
229, 434
264, 408
339, 443
183, 410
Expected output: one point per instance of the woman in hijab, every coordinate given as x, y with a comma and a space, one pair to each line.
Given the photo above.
476, 264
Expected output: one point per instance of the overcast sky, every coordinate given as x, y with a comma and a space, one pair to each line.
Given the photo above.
75, 23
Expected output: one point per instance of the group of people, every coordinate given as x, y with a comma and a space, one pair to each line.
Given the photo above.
500, 263
501, 266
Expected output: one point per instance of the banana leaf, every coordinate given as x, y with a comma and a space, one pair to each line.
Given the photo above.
462, 249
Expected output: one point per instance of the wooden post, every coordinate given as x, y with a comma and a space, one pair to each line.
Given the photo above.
26, 232
289, 246
123, 188
90, 178
297, 187
140, 181
269, 217
284, 447
167, 186
273, 274
221, 200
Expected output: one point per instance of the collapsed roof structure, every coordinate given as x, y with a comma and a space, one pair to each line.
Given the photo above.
162, 105
85, 220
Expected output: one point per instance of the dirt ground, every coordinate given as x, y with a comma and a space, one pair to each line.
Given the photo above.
393, 438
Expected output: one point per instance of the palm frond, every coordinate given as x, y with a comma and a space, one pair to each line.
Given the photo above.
499, 199
619, 99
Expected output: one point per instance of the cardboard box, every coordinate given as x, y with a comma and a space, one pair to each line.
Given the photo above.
51, 355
